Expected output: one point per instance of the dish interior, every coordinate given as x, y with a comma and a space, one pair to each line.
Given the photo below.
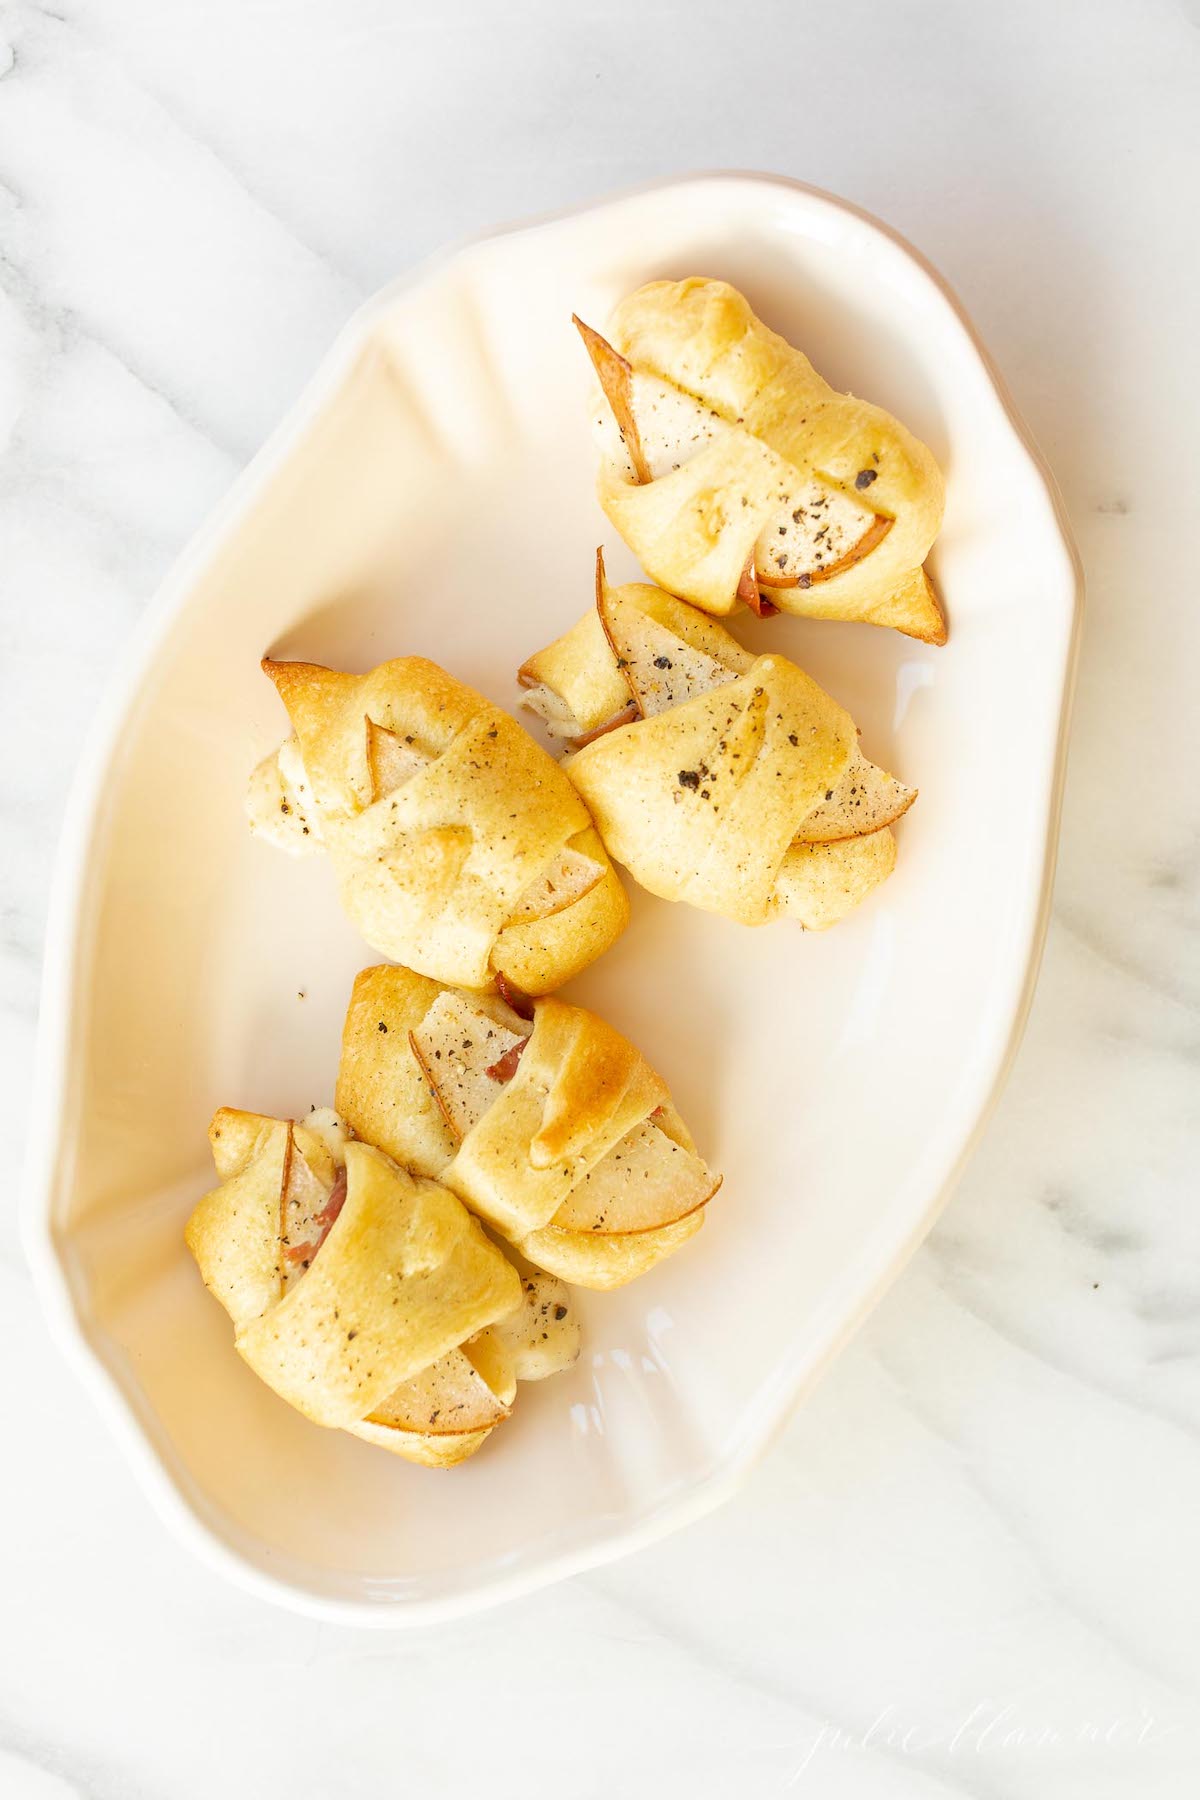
437, 497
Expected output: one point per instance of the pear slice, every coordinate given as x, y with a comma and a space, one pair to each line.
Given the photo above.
458, 1047
817, 532
449, 1397
392, 758
660, 426
615, 376
818, 529
671, 427
748, 594
865, 799
311, 1194
661, 669
570, 876
645, 1181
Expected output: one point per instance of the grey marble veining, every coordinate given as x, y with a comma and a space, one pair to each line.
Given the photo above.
971, 1568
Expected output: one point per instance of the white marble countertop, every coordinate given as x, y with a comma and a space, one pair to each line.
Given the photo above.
972, 1568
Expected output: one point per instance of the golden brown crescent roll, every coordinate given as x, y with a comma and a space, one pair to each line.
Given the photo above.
720, 778
367, 1297
735, 473
459, 846
555, 1130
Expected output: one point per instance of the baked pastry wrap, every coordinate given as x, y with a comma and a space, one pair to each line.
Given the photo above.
554, 1129
459, 847
736, 474
365, 1296
729, 781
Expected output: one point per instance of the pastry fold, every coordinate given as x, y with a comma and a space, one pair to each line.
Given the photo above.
555, 1130
736, 474
729, 781
367, 1297
460, 848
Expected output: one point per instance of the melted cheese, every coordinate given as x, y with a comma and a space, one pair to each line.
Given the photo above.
279, 803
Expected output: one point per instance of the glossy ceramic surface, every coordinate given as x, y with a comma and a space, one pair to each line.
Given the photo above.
433, 493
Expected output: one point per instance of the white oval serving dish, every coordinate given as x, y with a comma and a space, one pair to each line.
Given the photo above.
432, 492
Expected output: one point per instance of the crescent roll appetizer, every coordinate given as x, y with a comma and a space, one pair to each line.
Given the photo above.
367, 1297
554, 1129
459, 846
717, 777
736, 474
